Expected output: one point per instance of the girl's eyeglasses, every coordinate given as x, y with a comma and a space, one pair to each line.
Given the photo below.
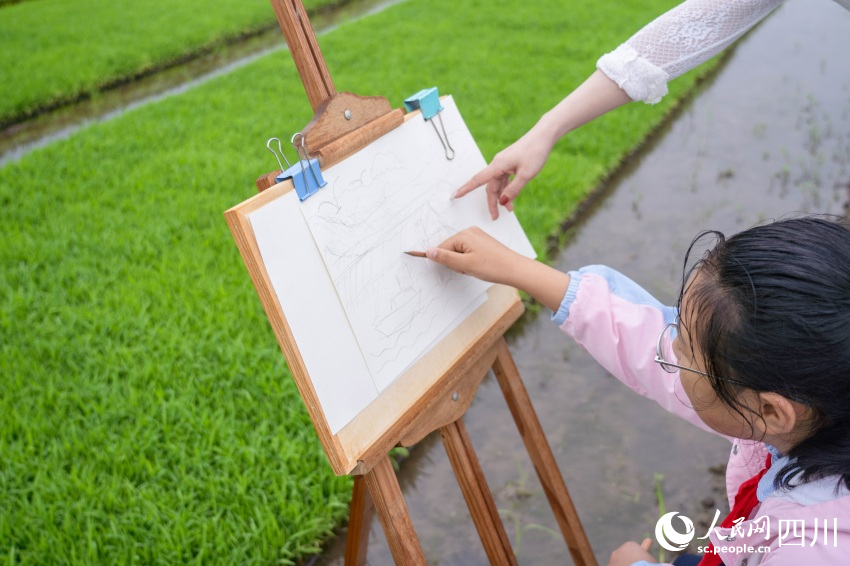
664, 352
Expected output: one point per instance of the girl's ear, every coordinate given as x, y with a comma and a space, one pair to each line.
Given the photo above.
780, 415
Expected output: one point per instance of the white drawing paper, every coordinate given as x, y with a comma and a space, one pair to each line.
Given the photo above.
391, 197
339, 374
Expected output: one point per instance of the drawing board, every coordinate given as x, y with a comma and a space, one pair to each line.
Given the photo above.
367, 330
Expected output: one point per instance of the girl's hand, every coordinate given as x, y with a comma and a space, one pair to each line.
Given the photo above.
473, 252
632, 552
523, 159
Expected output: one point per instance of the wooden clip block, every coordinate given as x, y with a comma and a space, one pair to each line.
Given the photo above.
340, 114
342, 125
337, 150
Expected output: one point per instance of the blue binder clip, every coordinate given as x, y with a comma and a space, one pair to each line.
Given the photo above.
428, 102
306, 174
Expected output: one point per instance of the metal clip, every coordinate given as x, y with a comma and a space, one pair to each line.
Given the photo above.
447, 147
278, 154
428, 102
304, 157
306, 174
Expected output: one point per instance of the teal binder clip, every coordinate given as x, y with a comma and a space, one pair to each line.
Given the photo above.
306, 174
427, 101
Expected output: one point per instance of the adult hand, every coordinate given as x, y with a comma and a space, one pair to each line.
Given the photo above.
473, 252
526, 157
523, 160
632, 552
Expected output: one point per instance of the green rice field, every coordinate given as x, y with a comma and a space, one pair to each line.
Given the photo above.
54, 51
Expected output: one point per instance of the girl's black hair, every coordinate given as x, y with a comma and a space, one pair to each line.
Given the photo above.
771, 310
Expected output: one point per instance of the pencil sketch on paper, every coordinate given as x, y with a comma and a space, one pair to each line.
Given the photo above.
395, 303
391, 197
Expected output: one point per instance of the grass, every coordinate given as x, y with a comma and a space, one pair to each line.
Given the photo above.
56, 51
147, 414
662, 509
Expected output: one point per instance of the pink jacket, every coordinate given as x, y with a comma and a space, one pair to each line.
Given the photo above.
618, 323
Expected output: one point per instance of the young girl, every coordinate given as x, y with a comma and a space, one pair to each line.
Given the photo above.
757, 349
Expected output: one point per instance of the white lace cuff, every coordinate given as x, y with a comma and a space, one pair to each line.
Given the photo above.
634, 74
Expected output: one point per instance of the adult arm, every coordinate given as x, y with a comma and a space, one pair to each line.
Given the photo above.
639, 69
683, 38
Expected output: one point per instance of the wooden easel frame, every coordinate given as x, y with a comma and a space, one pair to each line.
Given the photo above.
342, 124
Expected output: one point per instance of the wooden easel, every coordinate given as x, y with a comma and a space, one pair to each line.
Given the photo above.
342, 124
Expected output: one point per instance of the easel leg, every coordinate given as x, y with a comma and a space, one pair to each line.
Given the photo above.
477, 493
541, 456
392, 511
360, 515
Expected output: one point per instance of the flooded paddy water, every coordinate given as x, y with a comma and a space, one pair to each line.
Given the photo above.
768, 136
